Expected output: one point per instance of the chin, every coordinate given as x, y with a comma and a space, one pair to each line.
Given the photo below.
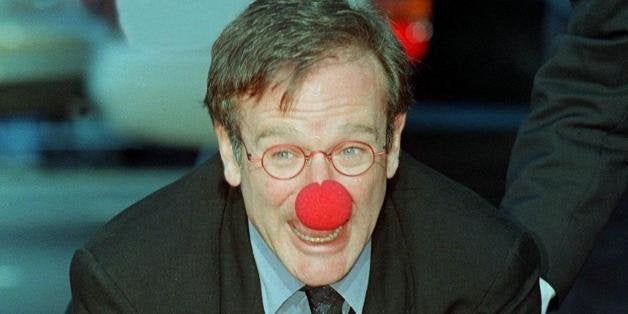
323, 275
319, 270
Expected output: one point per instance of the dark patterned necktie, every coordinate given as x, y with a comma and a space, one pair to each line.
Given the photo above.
324, 300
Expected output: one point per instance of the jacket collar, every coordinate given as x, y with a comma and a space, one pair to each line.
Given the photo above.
391, 282
240, 290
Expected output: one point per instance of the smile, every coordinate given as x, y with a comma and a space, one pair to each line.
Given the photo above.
316, 239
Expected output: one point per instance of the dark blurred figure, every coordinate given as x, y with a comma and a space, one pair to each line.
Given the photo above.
105, 9
602, 285
568, 175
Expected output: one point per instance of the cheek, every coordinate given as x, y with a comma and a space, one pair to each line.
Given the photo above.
268, 192
278, 193
368, 192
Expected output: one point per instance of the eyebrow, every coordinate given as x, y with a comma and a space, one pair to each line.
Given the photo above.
361, 128
275, 131
354, 128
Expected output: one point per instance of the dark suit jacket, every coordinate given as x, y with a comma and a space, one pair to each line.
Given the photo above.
437, 247
569, 165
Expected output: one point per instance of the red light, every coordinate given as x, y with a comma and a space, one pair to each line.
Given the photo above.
411, 24
414, 37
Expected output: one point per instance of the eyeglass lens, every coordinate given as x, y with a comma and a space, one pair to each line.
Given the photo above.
348, 158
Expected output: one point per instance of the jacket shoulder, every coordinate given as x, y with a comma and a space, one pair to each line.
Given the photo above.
167, 241
458, 242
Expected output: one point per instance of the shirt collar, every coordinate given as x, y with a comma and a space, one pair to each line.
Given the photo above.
278, 284
353, 286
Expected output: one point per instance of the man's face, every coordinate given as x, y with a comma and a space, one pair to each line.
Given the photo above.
340, 100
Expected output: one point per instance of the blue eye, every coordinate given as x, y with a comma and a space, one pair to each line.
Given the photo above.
283, 155
352, 151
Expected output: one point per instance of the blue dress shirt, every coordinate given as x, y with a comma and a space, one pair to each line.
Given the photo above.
280, 289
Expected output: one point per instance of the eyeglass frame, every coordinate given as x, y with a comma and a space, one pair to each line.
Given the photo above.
307, 157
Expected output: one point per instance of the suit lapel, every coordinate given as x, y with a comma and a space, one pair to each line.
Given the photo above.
391, 281
239, 280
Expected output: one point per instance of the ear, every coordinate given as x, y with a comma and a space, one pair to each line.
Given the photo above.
392, 158
230, 164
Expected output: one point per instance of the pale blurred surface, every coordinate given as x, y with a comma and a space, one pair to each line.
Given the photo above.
46, 215
151, 85
45, 39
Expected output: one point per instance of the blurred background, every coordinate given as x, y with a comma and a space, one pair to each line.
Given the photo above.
101, 104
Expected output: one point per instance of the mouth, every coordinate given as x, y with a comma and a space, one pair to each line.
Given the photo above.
315, 236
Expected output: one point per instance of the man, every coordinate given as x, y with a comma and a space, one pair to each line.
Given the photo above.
308, 100
568, 174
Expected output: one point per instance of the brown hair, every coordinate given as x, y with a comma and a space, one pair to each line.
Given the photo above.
271, 35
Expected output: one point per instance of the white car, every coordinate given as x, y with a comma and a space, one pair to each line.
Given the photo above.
150, 85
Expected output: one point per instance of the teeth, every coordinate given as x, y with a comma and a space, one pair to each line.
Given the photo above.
324, 239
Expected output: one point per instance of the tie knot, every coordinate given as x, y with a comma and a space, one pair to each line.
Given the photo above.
324, 299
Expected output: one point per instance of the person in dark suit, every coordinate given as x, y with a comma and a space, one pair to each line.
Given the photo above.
304, 208
569, 166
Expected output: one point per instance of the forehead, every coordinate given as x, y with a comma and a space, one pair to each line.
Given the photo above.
358, 63
346, 92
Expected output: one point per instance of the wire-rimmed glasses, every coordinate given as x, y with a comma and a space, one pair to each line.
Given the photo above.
286, 161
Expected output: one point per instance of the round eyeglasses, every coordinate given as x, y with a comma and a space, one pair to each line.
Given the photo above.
286, 161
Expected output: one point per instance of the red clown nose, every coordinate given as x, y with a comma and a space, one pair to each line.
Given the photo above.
323, 206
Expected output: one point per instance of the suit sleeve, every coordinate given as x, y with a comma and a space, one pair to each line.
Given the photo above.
515, 288
93, 290
568, 167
